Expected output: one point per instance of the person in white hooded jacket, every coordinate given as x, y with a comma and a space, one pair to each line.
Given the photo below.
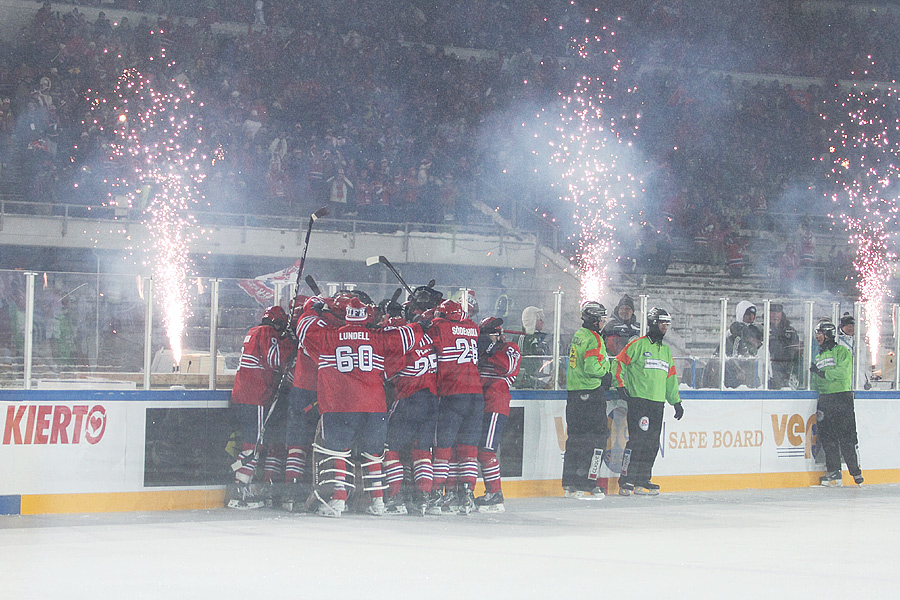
535, 349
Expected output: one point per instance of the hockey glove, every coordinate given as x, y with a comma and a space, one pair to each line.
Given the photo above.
424, 323
679, 411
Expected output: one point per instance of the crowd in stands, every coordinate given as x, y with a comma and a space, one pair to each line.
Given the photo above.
342, 102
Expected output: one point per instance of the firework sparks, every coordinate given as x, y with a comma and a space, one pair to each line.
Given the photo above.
588, 146
864, 151
155, 139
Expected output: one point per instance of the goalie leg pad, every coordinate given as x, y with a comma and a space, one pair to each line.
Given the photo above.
245, 466
334, 471
373, 478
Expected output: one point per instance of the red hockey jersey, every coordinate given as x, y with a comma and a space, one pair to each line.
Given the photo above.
498, 372
351, 363
456, 344
305, 369
259, 370
419, 370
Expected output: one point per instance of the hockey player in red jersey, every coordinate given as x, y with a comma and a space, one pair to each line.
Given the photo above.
255, 384
498, 363
302, 412
350, 390
411, 422
460, 408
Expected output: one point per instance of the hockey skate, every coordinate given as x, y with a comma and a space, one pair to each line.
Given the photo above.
293, 497
646, 488
450, 503
330, 508
395, 505
625, 489
594, 494
466, 500
243, 496
832, 479
490, 502
858, 479
418, 503
376, 507
435, 503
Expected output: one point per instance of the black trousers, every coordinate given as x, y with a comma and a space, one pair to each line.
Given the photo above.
644, 426
836, 426
588, 428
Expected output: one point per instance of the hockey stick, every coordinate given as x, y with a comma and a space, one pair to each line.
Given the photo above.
312, 219
312, 285
373, 260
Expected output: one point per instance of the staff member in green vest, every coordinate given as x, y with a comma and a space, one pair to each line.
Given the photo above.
646, 377
587, 379
835, 416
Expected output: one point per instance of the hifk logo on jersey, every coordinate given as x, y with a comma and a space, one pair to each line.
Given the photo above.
38, 424
795, 437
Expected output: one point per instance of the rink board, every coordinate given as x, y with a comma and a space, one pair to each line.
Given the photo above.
104, 451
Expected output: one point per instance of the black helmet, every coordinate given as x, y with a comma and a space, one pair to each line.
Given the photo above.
827, 329
491, 325
655, 316
425, 296
363, 297
592, 311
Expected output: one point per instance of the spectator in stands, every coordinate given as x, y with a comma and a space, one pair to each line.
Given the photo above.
734, 253
789, 266
784, 349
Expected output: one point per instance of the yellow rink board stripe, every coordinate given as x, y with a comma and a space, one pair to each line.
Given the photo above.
123, 501
702, 483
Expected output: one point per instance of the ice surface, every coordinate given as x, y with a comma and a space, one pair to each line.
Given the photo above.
785, 543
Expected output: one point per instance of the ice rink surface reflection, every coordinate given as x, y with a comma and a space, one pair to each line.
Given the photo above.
784, 543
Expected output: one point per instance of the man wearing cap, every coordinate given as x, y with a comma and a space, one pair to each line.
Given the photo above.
622, 327
847, 331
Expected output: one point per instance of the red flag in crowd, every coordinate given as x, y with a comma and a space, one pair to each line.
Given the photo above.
262, 288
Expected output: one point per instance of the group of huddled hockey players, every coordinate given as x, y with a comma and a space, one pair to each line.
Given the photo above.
391, 407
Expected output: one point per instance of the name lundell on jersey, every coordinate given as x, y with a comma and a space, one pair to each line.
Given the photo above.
471, 331
354, 335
